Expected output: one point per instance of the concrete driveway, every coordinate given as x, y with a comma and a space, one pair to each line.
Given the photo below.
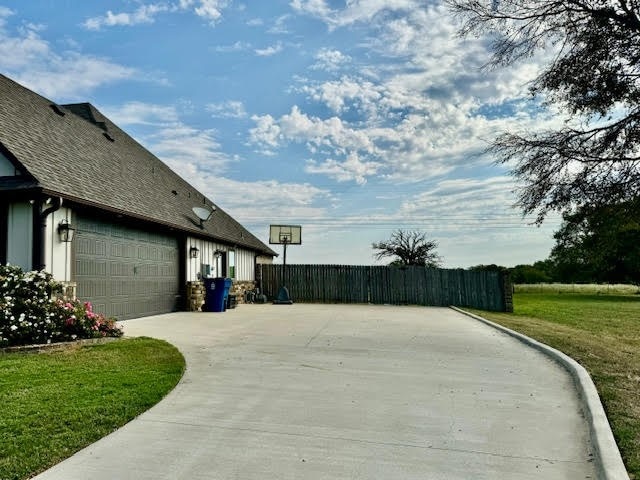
347, 392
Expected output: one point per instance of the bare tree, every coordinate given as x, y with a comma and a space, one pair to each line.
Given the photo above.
594, 78
408, 248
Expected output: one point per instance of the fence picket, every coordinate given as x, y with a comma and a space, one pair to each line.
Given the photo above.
387, 285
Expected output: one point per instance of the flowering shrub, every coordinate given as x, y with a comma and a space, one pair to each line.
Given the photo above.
78, 320
28, 315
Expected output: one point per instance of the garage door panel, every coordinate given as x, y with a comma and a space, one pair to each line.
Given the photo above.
126, 272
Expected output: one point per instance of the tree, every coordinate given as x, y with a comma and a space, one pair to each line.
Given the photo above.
594, 77
599, 244
409, 248
535, 273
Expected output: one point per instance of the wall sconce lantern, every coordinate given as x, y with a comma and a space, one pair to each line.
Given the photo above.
193, 252
65, 231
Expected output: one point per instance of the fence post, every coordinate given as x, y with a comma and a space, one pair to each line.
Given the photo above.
507, 292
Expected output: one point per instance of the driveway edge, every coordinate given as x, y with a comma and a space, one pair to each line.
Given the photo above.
610, 464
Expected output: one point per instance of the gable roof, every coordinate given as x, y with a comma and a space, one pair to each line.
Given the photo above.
75, 152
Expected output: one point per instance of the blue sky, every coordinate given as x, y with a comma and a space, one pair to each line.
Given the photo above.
351, 118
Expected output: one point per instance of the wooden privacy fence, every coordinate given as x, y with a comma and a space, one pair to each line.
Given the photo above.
389, 285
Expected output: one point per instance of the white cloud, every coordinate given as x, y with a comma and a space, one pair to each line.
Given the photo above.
347, 93
234, 47
351, 169
354, 11
330, 60
419, 110
4, 14
227, 109
210, 10
188, 148
266, 131
144, 14
317, 8
269, 51
69, 75
279, 27
140, 113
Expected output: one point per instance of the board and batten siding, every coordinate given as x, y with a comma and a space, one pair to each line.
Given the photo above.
57, 253
20, 241
20, 235
243, 259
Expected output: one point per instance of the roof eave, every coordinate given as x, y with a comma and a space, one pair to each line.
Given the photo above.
196, 231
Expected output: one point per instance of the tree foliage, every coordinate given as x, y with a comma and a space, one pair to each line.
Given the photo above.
408, 248
599, 244
594, 77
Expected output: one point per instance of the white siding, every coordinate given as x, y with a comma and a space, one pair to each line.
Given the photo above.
6, 167
20, 235
57, 253
244, 260
245, 265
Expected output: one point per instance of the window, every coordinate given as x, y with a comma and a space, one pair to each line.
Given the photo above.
232, 264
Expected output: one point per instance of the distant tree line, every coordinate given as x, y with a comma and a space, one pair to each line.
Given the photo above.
595, 244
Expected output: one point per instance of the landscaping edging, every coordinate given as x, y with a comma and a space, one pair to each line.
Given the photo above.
610, 464
57, 346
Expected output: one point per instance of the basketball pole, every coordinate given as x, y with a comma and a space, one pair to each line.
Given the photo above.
284, 263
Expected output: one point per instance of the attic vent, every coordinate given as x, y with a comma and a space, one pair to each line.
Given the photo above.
57, 109
175, 192
108, 137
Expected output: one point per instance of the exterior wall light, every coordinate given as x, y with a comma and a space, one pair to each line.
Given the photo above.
193, 252
65, 231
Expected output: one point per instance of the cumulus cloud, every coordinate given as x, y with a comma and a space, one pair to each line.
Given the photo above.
279, 26
188, 148
421, 108
140, 113
234, 47
65, 76
227, 109
351, 169
317, 8
210, 10
330, 60
143, 14
268, 51
354, 11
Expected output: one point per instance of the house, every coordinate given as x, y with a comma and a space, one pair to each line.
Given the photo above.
83, 200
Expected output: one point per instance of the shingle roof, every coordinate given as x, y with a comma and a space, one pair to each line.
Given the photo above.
77, 153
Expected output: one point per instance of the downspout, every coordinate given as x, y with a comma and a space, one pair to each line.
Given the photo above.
40, 230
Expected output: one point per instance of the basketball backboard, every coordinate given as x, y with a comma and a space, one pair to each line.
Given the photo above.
285, 234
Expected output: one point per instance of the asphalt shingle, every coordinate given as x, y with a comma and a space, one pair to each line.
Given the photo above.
77, 153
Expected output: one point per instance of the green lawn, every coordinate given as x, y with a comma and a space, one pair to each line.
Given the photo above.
601, 332
55, 403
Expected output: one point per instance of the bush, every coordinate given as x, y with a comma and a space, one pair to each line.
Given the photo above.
28, 315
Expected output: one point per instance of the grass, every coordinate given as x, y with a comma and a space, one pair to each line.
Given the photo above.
586, 288
602, 333
56, 403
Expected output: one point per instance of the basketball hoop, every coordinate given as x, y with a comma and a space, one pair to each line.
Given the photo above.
284, 235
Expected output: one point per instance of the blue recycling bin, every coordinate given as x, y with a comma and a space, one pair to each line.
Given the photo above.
227, 287
215, 296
